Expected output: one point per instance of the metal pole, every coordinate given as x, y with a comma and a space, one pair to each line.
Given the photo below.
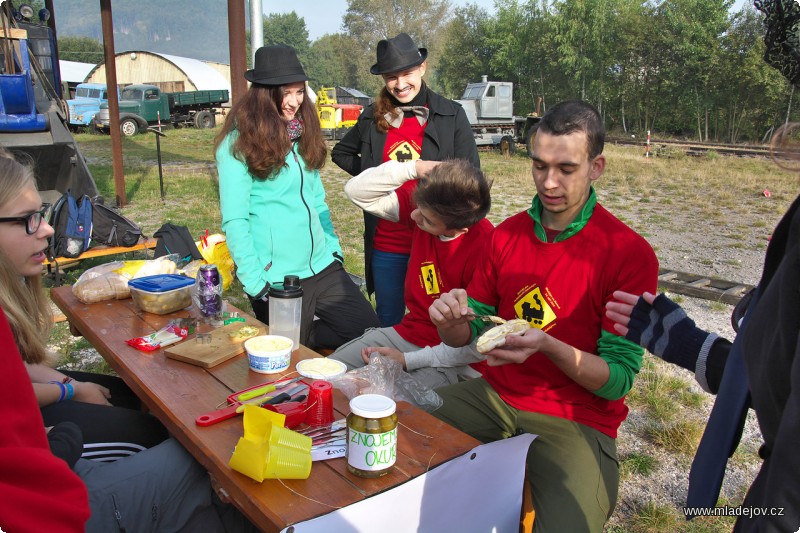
160, 174
109, 57
236, 39
158, 133
256, 28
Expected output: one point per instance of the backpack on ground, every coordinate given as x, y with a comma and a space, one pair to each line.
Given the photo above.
72, 225
111, 228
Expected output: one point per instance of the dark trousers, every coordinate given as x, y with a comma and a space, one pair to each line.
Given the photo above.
335, 311
109, 432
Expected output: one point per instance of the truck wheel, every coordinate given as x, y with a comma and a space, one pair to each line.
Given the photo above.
128, 127
531, 137
204, 119
507, 146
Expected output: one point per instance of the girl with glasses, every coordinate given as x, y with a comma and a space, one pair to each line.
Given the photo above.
107, 412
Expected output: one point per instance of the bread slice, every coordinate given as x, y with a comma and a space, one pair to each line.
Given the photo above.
496, 337
243, 333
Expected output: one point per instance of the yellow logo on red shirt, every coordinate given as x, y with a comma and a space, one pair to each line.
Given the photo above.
404, 151
534, 308
429, 278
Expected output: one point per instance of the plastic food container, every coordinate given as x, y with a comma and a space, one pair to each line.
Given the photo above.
321, 368
269, 354
162, 293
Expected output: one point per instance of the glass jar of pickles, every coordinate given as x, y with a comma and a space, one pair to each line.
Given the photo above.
371, 435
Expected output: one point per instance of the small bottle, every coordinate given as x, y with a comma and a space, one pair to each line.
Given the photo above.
371, 435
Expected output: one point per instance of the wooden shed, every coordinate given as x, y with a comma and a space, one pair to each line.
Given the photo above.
170, 73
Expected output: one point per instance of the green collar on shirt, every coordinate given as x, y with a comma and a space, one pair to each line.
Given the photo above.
575, 226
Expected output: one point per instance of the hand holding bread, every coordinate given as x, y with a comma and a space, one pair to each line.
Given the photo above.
496, 336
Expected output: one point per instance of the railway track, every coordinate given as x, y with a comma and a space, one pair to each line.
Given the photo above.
697, 286
697, 148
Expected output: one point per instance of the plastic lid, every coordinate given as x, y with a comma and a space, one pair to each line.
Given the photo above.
290, 288
161, 282
372, 406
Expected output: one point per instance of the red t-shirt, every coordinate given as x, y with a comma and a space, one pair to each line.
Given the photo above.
435, 266
561, 288
38, 491
402, 144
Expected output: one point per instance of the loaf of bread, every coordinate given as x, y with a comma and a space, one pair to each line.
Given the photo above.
496, 337
107, 286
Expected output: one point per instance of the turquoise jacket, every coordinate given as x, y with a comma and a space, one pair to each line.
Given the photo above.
277, 226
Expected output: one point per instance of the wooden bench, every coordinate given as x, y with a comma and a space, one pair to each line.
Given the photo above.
95, 251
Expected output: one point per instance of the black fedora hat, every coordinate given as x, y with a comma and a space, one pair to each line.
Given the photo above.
276, 65
398, 53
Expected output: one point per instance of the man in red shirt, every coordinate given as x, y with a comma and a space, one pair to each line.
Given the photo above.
564, 379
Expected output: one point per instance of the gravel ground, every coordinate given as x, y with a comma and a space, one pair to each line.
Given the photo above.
730, 247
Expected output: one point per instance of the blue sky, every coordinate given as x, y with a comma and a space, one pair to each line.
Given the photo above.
326, 17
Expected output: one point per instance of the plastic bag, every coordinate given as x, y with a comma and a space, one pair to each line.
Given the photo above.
386, 377
110, 280
192, 268
101, 283
214, 249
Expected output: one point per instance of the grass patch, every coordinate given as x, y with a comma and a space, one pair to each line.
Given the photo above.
637, 463
652, 517
680, 436
660, 394
718, 306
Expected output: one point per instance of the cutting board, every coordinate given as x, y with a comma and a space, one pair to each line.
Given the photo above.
220, 349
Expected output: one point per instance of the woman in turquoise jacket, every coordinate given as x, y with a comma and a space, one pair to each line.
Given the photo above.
274, 214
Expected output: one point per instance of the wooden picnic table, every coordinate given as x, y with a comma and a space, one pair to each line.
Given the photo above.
177, 392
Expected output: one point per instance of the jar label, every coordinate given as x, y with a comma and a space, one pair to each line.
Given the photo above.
371, 451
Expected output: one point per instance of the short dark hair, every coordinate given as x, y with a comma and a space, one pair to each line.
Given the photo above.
457, 191
575, 116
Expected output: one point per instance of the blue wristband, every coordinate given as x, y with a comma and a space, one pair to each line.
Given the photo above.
70, 391
63, 390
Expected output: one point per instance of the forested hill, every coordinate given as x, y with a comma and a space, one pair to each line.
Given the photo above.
188, 28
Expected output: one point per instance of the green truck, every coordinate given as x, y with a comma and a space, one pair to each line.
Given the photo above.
143, 105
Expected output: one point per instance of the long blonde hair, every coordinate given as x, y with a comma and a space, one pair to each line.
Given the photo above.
22, 298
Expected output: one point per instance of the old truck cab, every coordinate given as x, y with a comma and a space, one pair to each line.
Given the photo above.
139, 105
88, 99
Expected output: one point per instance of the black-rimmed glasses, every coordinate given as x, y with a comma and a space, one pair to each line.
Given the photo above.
32, 221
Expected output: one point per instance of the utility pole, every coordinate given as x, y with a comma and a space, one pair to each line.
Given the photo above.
256, 28
109, 57
238, 50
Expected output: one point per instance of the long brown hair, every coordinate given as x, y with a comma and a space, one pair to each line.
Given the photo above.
383, 105
22, 298
262, 142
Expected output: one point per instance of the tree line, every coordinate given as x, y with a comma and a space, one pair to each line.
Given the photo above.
686, 68
689, 68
